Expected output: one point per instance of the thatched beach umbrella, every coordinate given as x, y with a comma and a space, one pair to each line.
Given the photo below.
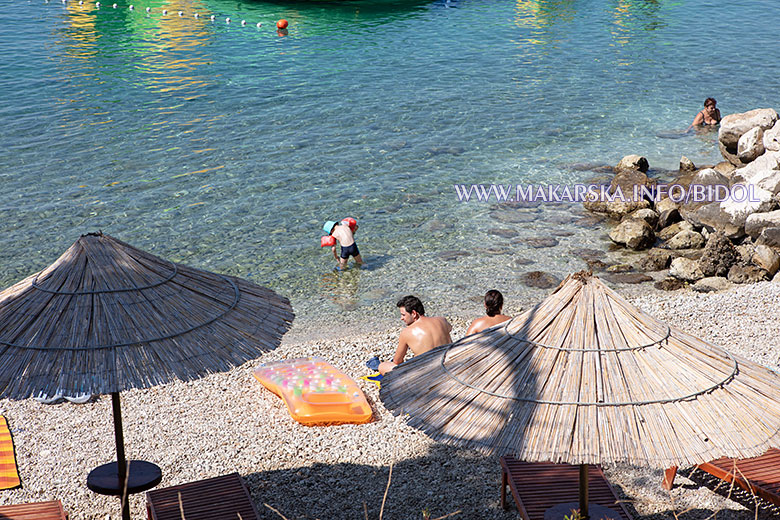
586, 378
106, 317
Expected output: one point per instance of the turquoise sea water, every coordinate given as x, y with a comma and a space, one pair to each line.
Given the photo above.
226, 146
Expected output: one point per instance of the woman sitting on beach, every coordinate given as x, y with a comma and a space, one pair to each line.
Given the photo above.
494, 302
709, 116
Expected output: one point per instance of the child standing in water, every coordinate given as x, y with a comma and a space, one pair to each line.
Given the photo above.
344, 232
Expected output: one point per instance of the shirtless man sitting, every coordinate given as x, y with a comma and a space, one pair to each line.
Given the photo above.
494, 302
422, 333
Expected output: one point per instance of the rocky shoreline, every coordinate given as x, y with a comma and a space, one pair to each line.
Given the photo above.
711, 227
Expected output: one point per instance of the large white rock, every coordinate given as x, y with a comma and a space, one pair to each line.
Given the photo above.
764, 172
713, 218
633, 162
733, 126
772, 138
710, 177
743, 201
750, 145
757, 222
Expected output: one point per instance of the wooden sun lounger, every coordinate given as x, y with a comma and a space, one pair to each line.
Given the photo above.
219, 498
539, 486
759, 475
51, 510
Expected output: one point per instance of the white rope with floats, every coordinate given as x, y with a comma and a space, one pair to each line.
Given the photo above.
281, 24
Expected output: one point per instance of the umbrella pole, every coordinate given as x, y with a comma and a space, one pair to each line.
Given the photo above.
584, 492
121, 461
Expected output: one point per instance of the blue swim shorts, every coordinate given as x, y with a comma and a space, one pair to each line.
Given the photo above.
349, 250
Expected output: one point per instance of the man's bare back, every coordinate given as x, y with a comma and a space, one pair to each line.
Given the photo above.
426, 333
420, 335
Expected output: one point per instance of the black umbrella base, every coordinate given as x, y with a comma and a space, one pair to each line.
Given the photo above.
104, 479
595, 512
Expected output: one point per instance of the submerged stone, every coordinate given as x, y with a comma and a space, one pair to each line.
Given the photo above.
540, 280
503, 233
628, 278
542, 242
452, 255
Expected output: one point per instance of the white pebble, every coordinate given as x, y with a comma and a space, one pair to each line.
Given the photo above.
165, 11
81, 2
243, 23
212, 17
148, 9
227, 20
181, 13
259, 25
196, 15
131, 7
114, 6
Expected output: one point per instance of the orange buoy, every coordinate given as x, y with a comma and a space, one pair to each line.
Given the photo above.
281, 24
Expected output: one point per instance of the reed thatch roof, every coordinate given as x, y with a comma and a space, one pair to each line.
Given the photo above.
585, 378
106, 317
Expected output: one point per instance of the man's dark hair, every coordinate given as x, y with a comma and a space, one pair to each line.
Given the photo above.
494, 300
710, 101
411, 303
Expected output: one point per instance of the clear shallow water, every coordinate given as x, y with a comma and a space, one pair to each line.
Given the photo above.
226, 147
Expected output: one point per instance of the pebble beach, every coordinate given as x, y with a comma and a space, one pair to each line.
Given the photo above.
228, 422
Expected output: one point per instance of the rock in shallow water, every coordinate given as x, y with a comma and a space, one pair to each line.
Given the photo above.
503, 233
631, 278
512, 216
452, 255
540, 280
620, 268
587, 253
542, 242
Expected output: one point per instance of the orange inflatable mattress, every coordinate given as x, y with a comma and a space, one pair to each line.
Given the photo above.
314, 391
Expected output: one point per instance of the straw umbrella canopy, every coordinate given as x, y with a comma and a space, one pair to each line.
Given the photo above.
586, 378
106, 317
